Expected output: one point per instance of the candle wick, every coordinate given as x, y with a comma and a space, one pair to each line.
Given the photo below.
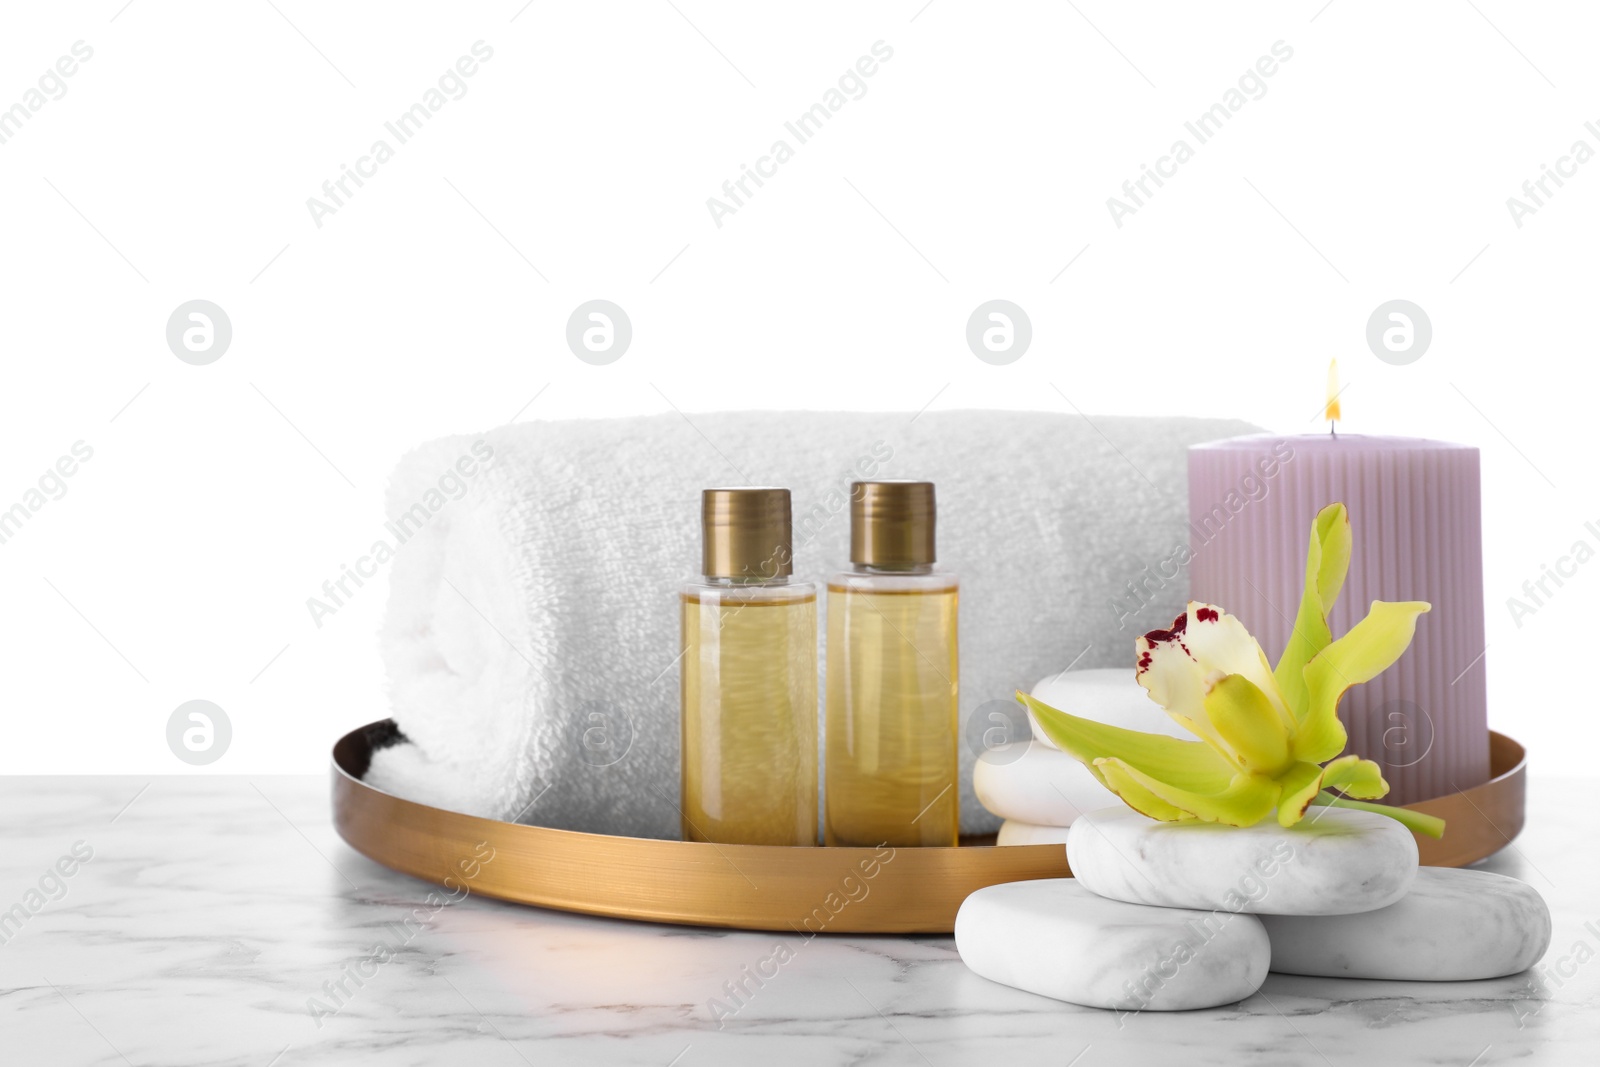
1332, 430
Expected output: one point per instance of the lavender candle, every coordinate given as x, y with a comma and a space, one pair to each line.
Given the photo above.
1415, 510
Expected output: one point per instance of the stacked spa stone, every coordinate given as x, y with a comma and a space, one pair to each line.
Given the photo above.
1038, 789
1171, 916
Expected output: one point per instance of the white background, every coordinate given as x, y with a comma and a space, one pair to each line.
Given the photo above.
578, 164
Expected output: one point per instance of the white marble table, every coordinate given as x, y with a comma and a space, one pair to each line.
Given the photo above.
214, 908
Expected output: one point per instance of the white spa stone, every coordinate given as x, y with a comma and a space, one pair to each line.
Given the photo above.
1452, 926
1013, 832
1334, 862
1105, 694
1034, 783
1055, 938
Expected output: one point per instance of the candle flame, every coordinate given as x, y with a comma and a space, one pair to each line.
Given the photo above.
1331, 411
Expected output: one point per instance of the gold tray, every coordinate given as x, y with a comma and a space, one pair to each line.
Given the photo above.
768, 887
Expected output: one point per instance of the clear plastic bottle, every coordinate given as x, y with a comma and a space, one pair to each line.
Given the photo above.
892, 689
749, 679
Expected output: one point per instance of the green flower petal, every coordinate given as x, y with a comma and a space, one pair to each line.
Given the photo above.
1189, 765
1371, 647
1249, 724
1327, 560
1115, 776
1244, 801
1300, 784
1355, 777
1415, 821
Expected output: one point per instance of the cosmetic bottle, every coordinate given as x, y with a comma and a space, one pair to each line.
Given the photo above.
892, 686
749, 679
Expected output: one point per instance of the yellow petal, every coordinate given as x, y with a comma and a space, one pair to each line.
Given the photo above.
1371, 647
1327, 560
1300, 784
1243, 801
1355, 777
1249, 725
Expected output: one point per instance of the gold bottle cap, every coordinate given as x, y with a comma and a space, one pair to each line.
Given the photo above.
745, 533
891, 523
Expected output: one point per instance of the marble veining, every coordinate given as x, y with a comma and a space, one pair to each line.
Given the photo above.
214, 908
1333, 862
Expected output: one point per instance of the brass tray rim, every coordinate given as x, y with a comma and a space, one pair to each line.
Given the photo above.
409, 836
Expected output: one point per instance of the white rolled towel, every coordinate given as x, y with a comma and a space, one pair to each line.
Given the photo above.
532, 631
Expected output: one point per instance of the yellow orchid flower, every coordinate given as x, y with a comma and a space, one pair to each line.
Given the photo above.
1266, 736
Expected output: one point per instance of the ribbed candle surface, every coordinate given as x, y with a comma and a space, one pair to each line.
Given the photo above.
1415, 513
